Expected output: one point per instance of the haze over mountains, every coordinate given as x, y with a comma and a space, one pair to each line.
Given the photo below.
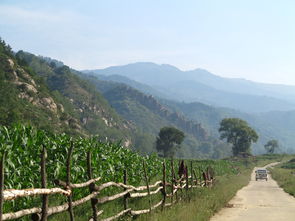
207, 98
202, 86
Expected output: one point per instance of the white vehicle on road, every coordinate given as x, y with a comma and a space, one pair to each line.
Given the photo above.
261, 174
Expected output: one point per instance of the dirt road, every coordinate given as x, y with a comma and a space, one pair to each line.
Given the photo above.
259, 200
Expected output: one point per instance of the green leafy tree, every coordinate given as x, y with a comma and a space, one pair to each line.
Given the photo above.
271, 145
168, 140
238, 133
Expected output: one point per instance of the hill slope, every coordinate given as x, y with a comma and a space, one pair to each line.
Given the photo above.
149, 115
271, 125
54, 98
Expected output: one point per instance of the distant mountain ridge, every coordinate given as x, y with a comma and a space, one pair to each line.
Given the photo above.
202, 86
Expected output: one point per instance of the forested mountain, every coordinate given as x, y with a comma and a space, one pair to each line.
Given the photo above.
270, 125
51, 97
202, 86
149, 115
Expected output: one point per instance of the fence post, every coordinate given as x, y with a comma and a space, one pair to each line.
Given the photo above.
195, 175
172, 181
200, 177
1, 185
147, 185
126, 196
90, 176
192, 175
187, 183
205, 178
44, 184
164, 185
70, 200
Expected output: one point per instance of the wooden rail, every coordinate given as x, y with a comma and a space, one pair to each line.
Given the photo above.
168, 190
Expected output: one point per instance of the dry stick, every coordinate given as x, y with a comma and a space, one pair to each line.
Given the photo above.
172, 181
44, 184
205, 178
192, 175
147, 185
93, 200
1, 185
192, 179
186, 181
126, 196
164, 185
70, 200
200, 177
77, 185
195, 175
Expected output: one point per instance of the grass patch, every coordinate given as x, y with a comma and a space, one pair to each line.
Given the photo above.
205, 201
284, 174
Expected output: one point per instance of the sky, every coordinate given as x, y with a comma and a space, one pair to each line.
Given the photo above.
250, 39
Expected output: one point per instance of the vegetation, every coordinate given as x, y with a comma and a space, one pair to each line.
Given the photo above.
206, 202
150, 114
22, 146
284, 174
239, 134
271, 146
168, 140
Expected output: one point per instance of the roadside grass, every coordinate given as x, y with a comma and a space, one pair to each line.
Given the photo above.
205, 202
284, 174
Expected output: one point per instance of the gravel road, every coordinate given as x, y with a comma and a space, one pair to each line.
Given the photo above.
259, 200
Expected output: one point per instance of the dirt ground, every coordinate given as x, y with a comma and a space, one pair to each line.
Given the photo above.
259, 200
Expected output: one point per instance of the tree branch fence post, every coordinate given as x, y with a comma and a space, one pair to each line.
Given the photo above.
164, 185
200, 175
70, 199
186, 183
192, 176
126, 196
196, 177
1, 185
147, 186
44, 213
90, 176
172, 181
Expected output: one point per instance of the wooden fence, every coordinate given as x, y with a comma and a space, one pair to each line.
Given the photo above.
168, 189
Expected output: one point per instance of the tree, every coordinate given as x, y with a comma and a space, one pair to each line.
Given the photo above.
238, 133
168, 140
271, 145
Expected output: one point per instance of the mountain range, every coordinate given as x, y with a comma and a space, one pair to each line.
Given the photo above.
268, 108
202, 86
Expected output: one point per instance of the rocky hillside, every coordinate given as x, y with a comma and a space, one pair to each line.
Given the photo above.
37, 91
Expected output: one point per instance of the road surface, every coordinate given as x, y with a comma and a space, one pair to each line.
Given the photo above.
259, 200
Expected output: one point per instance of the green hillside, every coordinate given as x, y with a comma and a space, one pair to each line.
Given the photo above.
52, 97
270, 125
149, 115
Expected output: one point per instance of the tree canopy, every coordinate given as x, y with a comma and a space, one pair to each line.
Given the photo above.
271, 145
237, 132
168, 140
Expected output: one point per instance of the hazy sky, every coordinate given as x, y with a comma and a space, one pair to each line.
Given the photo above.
252, 39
